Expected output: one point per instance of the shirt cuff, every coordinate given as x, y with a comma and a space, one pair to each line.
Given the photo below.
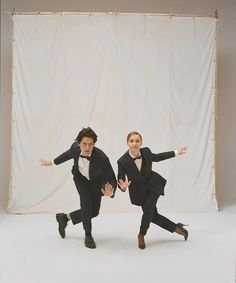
53, 162
176, 152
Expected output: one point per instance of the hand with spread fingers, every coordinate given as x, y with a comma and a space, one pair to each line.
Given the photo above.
182, 150
108, 190
45, 162
123, 184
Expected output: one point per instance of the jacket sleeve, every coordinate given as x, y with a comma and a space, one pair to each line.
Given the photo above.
121, 174
162, 156
110, 175
67, 155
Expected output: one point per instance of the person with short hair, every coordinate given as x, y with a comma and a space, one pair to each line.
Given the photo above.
145, 186
93, 176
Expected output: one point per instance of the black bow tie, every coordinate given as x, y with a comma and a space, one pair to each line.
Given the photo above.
139, 157
83, 156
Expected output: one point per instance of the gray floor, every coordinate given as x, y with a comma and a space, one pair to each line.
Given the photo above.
31, 250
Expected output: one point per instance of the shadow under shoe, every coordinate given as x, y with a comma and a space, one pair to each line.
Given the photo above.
141, 242
89, 242
62, 223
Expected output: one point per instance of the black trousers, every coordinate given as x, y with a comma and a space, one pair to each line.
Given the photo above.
90, 202
150, 215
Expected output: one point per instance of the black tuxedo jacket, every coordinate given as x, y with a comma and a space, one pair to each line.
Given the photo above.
100, 170
143, 180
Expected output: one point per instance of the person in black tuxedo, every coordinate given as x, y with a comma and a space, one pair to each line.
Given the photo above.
146, 186
93, 177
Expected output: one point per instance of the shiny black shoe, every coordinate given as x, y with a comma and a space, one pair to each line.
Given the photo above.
184, 232
62, 223
89, 242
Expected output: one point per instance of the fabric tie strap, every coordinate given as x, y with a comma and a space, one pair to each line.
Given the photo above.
87, 157
139, 157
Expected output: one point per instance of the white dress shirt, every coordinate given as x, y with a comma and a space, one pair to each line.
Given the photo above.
138, 162
83, 165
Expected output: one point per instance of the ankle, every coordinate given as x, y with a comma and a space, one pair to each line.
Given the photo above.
68, 216
88, 234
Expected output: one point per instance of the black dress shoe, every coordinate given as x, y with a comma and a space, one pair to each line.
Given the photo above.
62, 223
89, 242
184, 232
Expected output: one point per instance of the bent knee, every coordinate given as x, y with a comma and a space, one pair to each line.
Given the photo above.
95, 213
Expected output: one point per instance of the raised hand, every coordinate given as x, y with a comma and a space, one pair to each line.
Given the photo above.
123, 184
182, 150
108, 190
45, 162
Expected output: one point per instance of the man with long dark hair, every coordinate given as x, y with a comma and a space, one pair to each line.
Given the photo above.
93, 177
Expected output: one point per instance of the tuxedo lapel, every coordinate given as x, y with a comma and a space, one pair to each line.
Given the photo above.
76, 156
146, 161
130, 161
78, 151
94, 165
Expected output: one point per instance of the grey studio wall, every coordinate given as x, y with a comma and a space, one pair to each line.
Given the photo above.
226, 101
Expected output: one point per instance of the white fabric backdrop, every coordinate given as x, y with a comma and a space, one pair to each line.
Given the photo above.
116, 73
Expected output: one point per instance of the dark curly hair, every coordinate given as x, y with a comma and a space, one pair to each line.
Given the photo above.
86, 132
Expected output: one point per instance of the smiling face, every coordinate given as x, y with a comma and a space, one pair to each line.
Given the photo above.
134, 142
86, 145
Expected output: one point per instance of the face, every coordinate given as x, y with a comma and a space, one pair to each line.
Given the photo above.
134, 143
86, 145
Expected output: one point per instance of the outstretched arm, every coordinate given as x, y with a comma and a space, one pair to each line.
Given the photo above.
67, 155
60, 159
169, 154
